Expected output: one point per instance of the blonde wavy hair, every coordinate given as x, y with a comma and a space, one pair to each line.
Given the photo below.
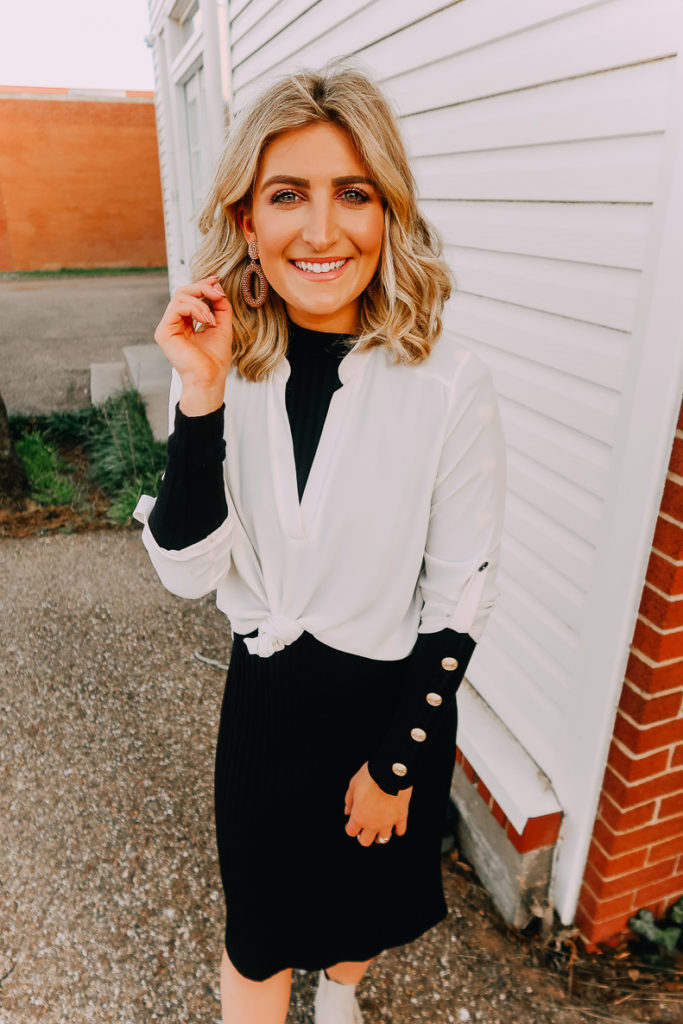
402, 306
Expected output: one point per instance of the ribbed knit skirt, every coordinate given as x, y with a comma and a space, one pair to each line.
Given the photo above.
299, 892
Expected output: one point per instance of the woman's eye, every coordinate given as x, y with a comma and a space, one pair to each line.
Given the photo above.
284, 197
354, 195
287, 196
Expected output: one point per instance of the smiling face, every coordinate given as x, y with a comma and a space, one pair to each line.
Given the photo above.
319, 221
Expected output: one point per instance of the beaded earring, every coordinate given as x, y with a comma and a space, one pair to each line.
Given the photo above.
249, 271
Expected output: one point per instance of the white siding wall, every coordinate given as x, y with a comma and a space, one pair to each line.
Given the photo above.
542, 132
162, 87
203, 59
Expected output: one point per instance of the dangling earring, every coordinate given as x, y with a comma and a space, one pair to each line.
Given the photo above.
249, 271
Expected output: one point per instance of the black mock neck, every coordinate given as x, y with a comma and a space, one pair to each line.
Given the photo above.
314, 358
304, 343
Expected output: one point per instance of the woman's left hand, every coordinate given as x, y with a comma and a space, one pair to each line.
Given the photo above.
373, 812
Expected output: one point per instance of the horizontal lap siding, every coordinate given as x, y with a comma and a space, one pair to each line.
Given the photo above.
545, 55
537, 132
599, 233
262, 21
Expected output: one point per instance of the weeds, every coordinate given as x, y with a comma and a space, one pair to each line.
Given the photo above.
60, 428
660, 938
124, 459
47, 473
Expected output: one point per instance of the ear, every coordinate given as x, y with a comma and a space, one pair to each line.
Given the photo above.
245, 221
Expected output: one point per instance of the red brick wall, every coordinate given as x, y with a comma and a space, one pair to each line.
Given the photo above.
636, 854
79, 182
538, 832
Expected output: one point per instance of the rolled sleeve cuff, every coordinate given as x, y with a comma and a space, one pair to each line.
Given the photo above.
194, 570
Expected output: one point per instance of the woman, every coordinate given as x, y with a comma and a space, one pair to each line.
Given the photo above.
336, 473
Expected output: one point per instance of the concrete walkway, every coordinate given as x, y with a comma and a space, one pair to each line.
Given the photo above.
53, 328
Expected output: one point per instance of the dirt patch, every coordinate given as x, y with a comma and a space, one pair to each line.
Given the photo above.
38, 520
522, 977
88, 511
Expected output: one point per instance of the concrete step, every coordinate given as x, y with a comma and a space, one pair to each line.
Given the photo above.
107, 379
150, 373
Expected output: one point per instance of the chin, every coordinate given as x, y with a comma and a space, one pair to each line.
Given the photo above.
317, 308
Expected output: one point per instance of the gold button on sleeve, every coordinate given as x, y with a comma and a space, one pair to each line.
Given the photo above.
449, 664
418, 734
434, 699
398, 768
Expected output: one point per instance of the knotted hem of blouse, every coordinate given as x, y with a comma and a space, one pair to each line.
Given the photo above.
274, 634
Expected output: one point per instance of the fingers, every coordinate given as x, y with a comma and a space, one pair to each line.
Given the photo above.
352, 827
196, 309
219, 301
209, 287
178, 317
366, 836
178, 333
374, 815
188, 301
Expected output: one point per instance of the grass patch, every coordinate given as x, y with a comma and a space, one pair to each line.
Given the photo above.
47, 473
15, 275
124, 460
124, 457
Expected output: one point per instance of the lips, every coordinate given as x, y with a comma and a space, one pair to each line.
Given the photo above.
319, 266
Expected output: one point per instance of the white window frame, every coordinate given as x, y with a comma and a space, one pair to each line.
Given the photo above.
201, 50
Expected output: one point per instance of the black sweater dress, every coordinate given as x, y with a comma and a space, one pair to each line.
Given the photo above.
295, 727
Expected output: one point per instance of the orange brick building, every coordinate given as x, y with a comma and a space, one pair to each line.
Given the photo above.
79, 180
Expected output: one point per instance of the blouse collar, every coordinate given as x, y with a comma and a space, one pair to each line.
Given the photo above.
331, 342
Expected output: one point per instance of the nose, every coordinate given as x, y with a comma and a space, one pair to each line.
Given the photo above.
320, 229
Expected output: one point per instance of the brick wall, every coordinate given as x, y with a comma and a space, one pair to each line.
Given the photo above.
636, 853
537, 833
79, 181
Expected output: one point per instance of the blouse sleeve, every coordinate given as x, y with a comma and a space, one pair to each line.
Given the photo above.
458, 577
462, 548
187, 529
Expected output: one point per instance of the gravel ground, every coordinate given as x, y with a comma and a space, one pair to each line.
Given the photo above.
53, 328
111, 908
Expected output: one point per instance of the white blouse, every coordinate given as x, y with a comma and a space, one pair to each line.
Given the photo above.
399, 526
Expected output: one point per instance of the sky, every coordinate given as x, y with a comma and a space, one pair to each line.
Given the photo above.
76, 44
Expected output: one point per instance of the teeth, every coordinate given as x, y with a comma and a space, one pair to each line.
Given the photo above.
319, 268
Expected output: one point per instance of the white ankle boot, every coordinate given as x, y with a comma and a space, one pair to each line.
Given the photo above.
336, 1003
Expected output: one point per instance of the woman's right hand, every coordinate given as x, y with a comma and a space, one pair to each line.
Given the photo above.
202, 358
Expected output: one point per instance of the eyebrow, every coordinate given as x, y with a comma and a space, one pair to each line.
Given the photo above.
288, 179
